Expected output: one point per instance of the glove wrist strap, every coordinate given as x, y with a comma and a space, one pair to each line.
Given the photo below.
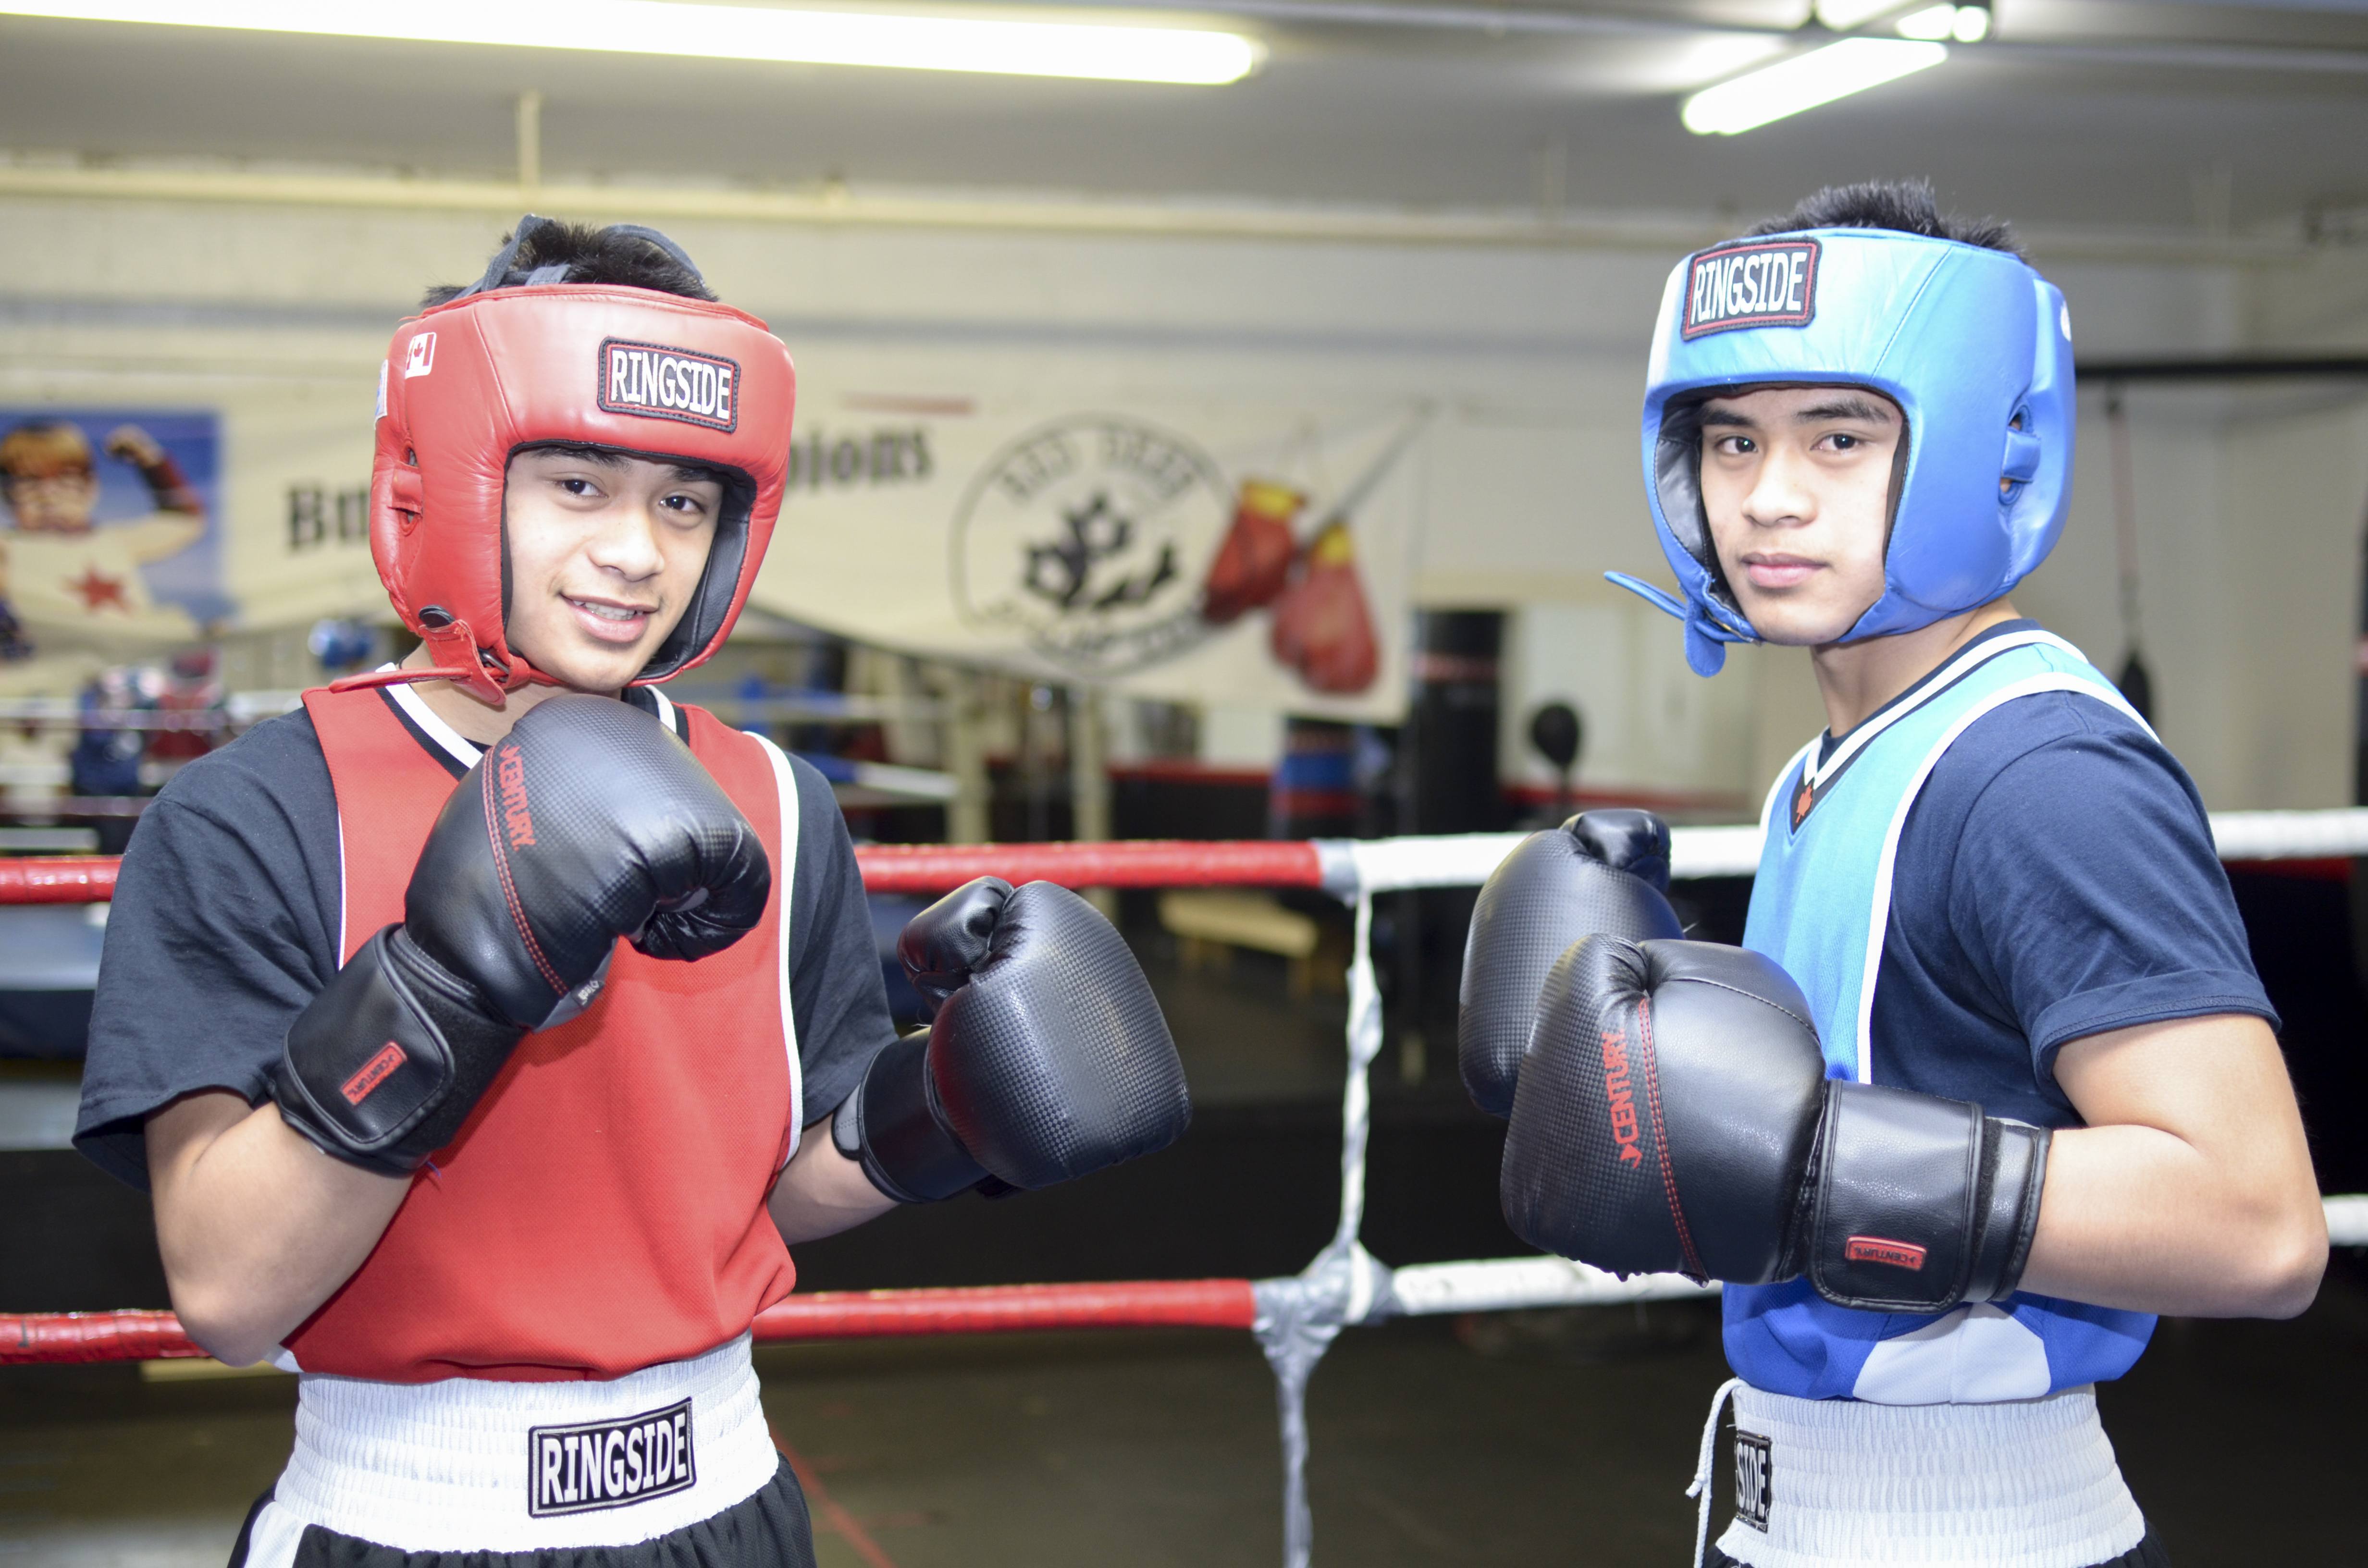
387, 1062
891, 1124
2014, 1169
1897, 1211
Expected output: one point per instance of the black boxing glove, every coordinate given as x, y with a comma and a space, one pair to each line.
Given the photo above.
1600, 872
589, 821
1674, 1116
1046, 1056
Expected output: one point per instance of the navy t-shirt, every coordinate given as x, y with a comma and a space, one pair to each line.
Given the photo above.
227, 913
2054, 813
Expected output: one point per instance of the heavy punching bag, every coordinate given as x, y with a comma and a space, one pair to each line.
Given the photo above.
1448, 783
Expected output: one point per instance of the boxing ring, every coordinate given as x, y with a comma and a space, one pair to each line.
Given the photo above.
1294, 1318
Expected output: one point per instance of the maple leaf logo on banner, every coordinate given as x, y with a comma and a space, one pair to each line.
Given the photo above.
1112, 545
1090, 536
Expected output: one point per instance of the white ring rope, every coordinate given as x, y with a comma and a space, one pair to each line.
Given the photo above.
1505, 1284
1464, 859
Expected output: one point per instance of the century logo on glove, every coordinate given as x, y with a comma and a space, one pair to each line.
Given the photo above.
1621, 1098
1768, 283
515, 821
668, 383
374, 1071
1876, 1249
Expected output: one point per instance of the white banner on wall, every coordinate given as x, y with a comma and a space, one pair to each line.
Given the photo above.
1256, 556
1226, 554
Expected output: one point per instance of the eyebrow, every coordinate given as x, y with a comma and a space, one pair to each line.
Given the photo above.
684, 474
1847, 406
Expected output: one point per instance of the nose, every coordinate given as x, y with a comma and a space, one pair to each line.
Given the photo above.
626, 544
1779, 497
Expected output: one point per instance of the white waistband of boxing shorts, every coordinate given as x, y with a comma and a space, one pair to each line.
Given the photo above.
466, 1464
2022, 1483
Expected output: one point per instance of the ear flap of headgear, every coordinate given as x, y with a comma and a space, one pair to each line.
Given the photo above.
445, 580
1979, 358
2035, 474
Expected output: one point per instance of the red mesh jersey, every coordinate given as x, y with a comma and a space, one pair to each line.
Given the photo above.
603, 1209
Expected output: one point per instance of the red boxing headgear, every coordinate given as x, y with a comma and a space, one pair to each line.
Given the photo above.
630, 371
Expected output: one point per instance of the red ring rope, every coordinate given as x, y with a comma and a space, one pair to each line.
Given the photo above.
828, 1314
64, 879
887, 867
1131, 863
1002, 1309
92, 1336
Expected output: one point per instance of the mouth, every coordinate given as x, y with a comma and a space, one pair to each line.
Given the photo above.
610, 621
1772, 571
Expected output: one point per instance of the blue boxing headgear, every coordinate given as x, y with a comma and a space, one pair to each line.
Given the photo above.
1974, 346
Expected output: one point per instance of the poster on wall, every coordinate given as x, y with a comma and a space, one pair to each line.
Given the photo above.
111, 541
1254, 558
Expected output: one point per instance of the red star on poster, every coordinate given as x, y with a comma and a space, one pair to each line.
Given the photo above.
99, 591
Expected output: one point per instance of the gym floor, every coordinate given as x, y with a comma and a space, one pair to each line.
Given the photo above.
1552, 1437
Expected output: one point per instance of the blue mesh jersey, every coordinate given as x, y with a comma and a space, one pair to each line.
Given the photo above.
2000, 860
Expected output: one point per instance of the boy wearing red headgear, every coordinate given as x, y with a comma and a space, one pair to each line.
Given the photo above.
469, 1026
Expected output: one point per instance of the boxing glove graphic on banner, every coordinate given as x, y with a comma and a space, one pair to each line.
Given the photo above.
1322, 627
1253, 562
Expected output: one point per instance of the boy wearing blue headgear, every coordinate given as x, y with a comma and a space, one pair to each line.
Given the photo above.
1992, 1080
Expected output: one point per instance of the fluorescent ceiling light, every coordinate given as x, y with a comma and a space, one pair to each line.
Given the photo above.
1186, 55
1932, 22
1966, 24
1806, 81
1843, 15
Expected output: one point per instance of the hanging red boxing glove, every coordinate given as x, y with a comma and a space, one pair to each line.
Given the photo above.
1254, 561
1322, 627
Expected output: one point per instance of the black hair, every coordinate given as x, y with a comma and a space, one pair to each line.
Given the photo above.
1907, 205
620, 254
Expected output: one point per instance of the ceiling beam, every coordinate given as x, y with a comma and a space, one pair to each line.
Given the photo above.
835, 207
2229, 367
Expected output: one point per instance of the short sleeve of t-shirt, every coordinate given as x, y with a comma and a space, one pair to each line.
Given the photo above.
224, 927
226, 919
2056, 878
839, 996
